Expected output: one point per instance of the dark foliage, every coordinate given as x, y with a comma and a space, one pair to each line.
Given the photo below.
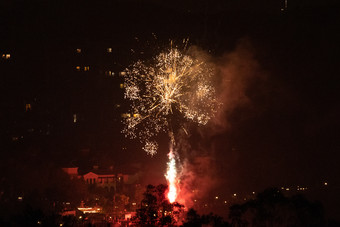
272, 208
193, 219
156, 210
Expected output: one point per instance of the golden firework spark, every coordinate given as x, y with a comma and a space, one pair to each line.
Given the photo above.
172, 84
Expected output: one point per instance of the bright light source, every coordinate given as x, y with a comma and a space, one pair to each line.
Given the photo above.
6, 56
326, 183
78, 50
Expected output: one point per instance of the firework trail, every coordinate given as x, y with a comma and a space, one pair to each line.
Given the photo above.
174, 86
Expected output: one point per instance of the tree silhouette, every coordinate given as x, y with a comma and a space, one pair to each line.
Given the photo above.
156, 210
193, 219
272, 208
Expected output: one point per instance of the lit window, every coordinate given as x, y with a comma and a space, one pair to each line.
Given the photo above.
78, 50
28, 107
78, 68
109, 73
6, 56
86, 68
109, 50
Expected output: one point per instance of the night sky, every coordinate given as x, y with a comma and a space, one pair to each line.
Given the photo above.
277, 78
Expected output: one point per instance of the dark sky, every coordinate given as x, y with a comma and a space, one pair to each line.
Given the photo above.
281, 112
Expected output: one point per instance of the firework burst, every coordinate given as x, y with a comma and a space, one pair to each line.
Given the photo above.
174, 84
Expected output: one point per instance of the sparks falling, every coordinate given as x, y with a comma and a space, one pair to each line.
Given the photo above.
171, 87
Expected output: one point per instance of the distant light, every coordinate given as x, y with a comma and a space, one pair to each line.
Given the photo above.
28, 106
121, 86
325, 183
109, 50
216, 197
74, 118
39, 222
78, 68
86, 68
109, 73
61, 224
80, 217
122, 73
225, 202
134, 204
235, 195
78, 50
287, 189
6, 56
20, 198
